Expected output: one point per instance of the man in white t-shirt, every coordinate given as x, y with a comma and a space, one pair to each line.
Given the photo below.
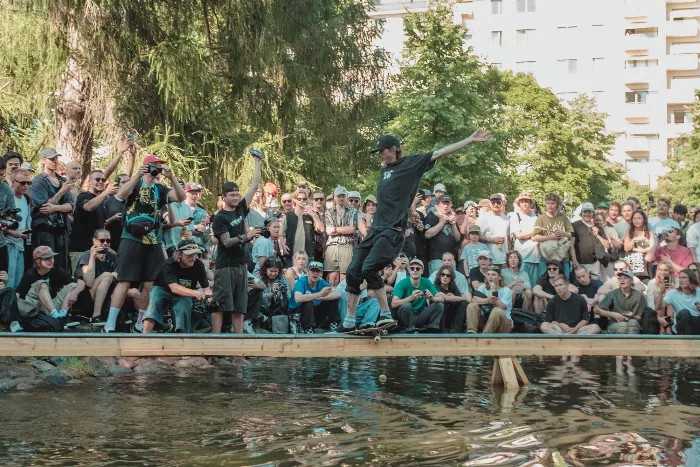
522, 227
495, 229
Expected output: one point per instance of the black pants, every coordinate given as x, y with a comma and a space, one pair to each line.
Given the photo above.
455, 317
254, 301
429, 317
57, 242
4, 258
687, 324
8, 306
375, 252
650, 323
321, 316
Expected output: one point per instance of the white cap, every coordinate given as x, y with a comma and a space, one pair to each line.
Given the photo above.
340, 190
439, 187
354, 194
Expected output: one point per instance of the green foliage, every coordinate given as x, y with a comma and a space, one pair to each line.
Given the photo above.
81, 366
682, 183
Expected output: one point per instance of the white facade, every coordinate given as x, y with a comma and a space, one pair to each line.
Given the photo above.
638, 58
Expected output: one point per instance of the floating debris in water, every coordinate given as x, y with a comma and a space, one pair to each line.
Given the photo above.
524, 442
497, 458
506, 433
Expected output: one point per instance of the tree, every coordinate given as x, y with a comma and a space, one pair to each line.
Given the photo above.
682, 182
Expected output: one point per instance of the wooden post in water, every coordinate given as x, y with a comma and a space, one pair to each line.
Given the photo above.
508, 372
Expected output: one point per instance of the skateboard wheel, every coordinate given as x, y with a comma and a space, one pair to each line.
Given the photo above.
384, 332
377, 338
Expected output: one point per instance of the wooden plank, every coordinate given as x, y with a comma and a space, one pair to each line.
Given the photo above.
522, 377
496, 376
510, 380
114, 345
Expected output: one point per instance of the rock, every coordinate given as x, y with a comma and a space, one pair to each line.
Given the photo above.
7, 385
223, 362
58, 360
127, 362
153, 367
56, 377
18, 359
119, 370
193, 362
75, 381
107, 362
44, 367
144, 361
168, 360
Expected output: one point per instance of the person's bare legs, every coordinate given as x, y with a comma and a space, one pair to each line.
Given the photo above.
540, 304
237, 322
380, 295
99, 292
119, 295
148, 325
527, 299
145, 295
217, 320
45, 296
549, 328
333, 278
352, 304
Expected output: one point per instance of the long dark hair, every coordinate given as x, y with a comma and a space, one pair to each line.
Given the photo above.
452, 288
692, 277
270, 263
645, 230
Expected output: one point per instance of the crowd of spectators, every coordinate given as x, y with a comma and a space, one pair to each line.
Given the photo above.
138, 252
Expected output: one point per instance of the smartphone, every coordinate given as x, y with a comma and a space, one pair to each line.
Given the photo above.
667, 280
26, 232
130, 137
104, 251
190, 218
494, 294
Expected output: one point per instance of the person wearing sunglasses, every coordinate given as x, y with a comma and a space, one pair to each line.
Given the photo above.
17, 240
491, 306
89, 214
299, 226
544, 290
456, 300
495, 229
418, 302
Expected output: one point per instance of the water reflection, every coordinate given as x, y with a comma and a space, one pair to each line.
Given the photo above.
428, 411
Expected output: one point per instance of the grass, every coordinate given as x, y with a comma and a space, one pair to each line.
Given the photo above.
80, 366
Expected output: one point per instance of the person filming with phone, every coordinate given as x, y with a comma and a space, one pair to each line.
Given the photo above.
18, 238
418, 302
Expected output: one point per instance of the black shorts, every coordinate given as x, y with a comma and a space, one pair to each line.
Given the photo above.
138, 262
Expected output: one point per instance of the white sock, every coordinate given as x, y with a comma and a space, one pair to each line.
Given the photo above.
112, 319
16, 327
54, 313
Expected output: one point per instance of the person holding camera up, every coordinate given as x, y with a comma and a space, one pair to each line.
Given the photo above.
267, 245
175, 287
140, 255
52, 202
231, 231
96, 267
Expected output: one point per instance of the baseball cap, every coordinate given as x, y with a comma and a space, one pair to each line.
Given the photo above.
603, 204
627, 273
554, 262
495, 268
354, 194
274, 204
416, 261
340, 191
371, 198
587, 207
484, 254
497, 196
28, 166
439, 187
228, 187
426, 192
48, 153
152, 159
474, 229
386, 141
469, 203
188, 247
459, 209
445, 199
191, 186
316, 265
43, 252
522, 196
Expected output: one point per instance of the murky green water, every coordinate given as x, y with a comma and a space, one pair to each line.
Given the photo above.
333, 412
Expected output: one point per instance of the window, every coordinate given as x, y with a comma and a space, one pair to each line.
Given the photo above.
525, 67
597, 64
526, 6
497, 38
636, 97
525, 36
682, 116
642, 63
568, 66
496, 7
598, 94
468, 38
566, 33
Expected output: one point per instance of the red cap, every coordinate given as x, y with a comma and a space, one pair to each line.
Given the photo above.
191, 186
152, 159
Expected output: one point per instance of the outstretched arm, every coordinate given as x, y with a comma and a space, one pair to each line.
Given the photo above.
477, 137
255, 183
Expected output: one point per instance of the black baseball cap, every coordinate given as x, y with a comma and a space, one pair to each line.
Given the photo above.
228, 187
387, 141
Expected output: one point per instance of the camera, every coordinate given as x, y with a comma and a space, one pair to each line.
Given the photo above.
10, 218
202, 308
154, 170
256, 153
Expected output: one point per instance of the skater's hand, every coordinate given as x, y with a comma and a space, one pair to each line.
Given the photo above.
480, 136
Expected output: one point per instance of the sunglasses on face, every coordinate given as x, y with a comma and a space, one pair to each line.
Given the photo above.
496, 201
100, 179
318, 199
415, 268
286, 200
302, 199
552, 269
29, 183
445, 275
104, 240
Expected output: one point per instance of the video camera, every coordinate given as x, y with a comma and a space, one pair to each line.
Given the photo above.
10, 218
154, 170
202, 308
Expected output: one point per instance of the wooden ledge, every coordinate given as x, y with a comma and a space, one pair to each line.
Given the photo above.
267, 345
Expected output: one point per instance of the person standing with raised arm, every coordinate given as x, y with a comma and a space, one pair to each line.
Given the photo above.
397, 186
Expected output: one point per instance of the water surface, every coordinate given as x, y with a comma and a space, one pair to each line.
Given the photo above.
333, 412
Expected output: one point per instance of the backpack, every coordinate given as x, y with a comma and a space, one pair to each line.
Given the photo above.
42, 323
555, 250
526, 321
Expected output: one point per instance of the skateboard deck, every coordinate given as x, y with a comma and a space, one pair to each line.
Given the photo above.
377, 332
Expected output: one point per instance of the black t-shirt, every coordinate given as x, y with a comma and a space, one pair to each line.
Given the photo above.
547, 286
397, 186
419, 238
85, 222
57, 279
113, 206
585, 243
109, 264
569, 312
475, 274
173, 273
443, 241
145, 200
591, 289
232, 222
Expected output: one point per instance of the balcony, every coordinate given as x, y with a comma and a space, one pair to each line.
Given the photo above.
637, 113
677, 129
687, 13
390, 7
687, 48
637, 147
683, 62
637, 44
641, 75
680, 95
686, 28
637, 12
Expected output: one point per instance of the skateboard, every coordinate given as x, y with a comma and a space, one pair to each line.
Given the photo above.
377, 332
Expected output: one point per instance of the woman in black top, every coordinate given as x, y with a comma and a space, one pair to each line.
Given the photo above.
455, 304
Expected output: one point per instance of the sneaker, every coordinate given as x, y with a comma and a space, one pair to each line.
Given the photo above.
294, 326
72, 324
107, 331
385, 318
309, 331
16, 327
97, 322
248, 327
167, 328
341, 329
333, 327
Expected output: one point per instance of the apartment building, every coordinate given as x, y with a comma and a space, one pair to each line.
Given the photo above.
639, 58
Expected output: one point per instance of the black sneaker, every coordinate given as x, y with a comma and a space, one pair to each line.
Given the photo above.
341, 329
385, 318
97, 321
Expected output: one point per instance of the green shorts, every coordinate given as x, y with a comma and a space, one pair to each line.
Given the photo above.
29, 305
231, 288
